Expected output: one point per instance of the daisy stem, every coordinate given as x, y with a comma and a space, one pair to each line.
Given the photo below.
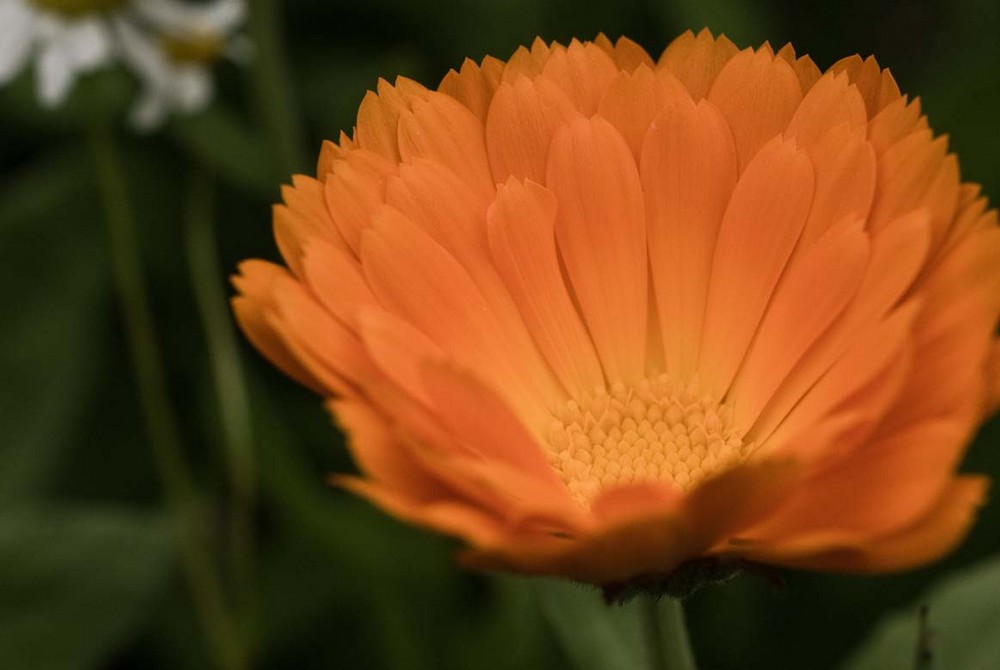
232, 398
669, 646
272, 84
158, 412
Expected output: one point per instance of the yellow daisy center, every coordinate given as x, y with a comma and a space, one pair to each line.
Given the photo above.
75, 8
192, 49
651, 431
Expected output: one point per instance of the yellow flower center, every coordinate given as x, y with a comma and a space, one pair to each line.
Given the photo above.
190, 49
74, 8
653, 431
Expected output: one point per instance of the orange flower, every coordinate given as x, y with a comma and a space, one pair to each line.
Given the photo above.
599, 316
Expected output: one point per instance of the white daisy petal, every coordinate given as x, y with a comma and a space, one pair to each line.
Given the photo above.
182, 18
16, 35
193, 87
225, 15
149, 111
172, 51
54, 74
239, 50
139, 52
88, 43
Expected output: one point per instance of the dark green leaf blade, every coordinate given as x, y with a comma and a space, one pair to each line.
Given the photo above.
594, 635
964, 620
72, 583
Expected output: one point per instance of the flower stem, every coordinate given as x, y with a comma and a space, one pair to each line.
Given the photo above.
230, 385
272, 85
158, 413
669, 647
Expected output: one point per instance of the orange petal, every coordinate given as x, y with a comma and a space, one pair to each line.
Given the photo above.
828, 104
897, 254
644, 529
697, 61
633, 100
759, 230
474, 85
993, 380
287, 312
583, 72
727, 503
378, 115
632, 502
964, 284
380, 455
876, 85
947, 378
252, 309
888, 485
354, 191
522, 238
962, 298
895, 122
626, 54
529, 62
970, 215
444, 208
688, 171
418, 279
758, 94
522, 118
601, 233
845, 169
336, 279
477, 416
442, 129
915, 172
814, 291
926, 540
328, 153
805, 68
398, 349
636, 531
871, 370
334, 359
302, 218
468, 477
451, 513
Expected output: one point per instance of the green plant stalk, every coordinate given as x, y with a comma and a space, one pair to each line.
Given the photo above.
272, 85
158, 413
207, 281
669, 647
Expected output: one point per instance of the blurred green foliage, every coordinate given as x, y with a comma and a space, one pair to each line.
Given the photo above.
88, 571
963, 633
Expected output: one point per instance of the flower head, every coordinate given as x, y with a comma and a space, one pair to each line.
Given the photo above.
65, 38
172, 47
600, 316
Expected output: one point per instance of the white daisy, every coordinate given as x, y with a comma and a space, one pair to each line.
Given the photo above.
65, 38
173, 52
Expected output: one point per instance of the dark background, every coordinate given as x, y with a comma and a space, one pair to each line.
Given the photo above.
89, 573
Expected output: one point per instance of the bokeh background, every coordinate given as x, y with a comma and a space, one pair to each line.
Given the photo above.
89, 568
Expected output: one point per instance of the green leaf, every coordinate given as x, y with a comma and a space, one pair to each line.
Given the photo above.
73, 583
222, 140
52, 285
745, 23
964, 621
101, 95
594, 635
507, 611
